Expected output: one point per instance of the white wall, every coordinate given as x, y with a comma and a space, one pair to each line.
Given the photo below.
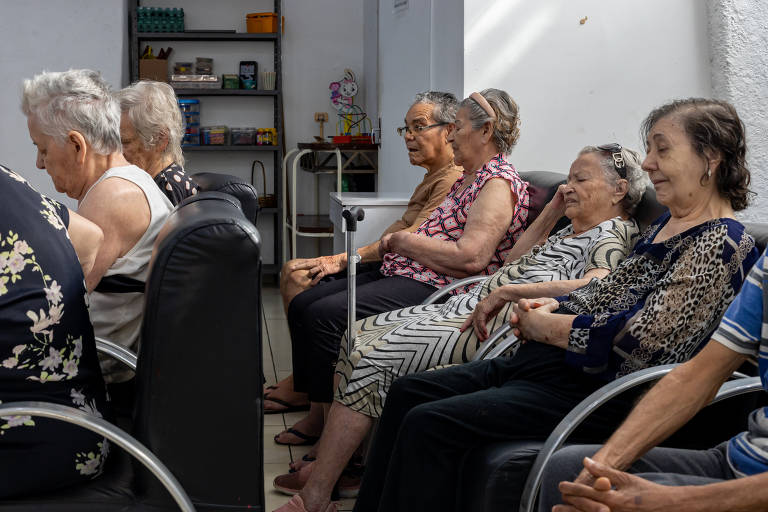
54, 36
584, 84
419, 49
739, 46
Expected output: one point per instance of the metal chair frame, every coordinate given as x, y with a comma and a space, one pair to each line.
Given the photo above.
104, 428
741, 385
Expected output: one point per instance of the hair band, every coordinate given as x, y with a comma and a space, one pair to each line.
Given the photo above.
483, 104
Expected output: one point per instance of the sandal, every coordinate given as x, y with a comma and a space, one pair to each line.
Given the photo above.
287, 407
307, 439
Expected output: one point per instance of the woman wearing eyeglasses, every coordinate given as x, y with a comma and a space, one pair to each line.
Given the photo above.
470, 233
659, 306
599, 198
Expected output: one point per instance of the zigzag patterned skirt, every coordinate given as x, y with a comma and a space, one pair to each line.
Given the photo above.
406, 341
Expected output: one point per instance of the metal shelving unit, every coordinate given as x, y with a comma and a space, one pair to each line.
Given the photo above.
136, 40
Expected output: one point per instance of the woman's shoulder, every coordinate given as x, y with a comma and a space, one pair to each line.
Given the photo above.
499, 166
625, 229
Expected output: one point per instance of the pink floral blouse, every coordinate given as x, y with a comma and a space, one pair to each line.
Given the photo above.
447, 223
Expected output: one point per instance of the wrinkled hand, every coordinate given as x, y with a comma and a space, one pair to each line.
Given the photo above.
384, 245
528, 317
320, 267
398, 240
557, 203
614, 491
486, 309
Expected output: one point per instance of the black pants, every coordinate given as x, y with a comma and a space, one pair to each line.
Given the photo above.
317, 319
433, 419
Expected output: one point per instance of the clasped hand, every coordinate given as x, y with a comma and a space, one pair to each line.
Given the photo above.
529, 318
601, 488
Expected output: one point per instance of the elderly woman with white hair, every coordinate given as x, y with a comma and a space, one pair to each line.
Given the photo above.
151, 130
74, 120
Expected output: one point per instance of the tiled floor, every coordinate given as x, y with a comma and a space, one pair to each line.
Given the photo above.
277, 365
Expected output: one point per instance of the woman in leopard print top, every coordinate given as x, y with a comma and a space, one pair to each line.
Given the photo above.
657, 307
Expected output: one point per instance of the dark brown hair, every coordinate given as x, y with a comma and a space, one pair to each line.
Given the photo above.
713, 126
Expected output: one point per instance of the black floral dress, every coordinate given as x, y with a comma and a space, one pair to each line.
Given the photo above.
47, 349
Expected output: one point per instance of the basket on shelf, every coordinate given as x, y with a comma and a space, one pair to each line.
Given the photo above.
265, 200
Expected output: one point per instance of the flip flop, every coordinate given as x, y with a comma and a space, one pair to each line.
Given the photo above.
307, 439
288, 407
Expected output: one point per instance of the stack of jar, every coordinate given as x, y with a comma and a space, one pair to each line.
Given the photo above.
266, 137
190, 110
159, 19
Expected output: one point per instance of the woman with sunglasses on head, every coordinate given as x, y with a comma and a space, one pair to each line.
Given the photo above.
600, 195
471, 232
659, 306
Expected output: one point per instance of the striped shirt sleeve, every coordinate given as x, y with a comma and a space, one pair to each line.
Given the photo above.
742, 324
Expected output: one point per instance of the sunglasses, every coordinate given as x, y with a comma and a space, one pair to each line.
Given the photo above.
618, 160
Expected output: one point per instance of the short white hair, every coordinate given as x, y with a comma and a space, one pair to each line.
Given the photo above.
79, 100
153, 110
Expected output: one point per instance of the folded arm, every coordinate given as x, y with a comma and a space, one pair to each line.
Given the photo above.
487, 223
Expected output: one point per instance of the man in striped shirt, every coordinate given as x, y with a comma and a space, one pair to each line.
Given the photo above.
730, 476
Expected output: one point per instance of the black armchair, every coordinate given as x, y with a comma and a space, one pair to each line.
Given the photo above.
234, 186
198, 403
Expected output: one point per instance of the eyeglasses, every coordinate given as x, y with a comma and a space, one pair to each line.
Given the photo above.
618, 160
401, 131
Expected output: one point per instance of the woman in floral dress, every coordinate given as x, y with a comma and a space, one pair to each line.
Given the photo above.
47, 349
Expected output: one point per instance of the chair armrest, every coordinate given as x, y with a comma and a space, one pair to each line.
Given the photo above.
450, 287
111, 432
574, 418
739, 386
736, 387
116, 351
504, 338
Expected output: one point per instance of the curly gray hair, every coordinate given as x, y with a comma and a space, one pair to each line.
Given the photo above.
637, 179
445, 105
153, 110
79, 100
506, 126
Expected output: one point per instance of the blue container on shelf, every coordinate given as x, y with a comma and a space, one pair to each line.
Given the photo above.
190, 110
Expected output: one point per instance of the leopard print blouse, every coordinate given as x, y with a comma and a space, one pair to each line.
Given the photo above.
662, 304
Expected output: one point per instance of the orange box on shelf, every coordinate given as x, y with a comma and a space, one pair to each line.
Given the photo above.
153, 69
261, 22
342, 139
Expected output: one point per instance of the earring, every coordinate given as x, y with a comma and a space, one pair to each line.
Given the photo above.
709, 172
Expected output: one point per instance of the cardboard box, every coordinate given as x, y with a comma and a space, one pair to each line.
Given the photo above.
153, 69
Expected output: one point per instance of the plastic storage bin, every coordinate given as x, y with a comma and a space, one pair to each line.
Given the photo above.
214, 135
261, 22
243, 136
190, 111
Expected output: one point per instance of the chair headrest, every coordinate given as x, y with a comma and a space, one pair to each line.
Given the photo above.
542, 186
759, 231
232, 185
